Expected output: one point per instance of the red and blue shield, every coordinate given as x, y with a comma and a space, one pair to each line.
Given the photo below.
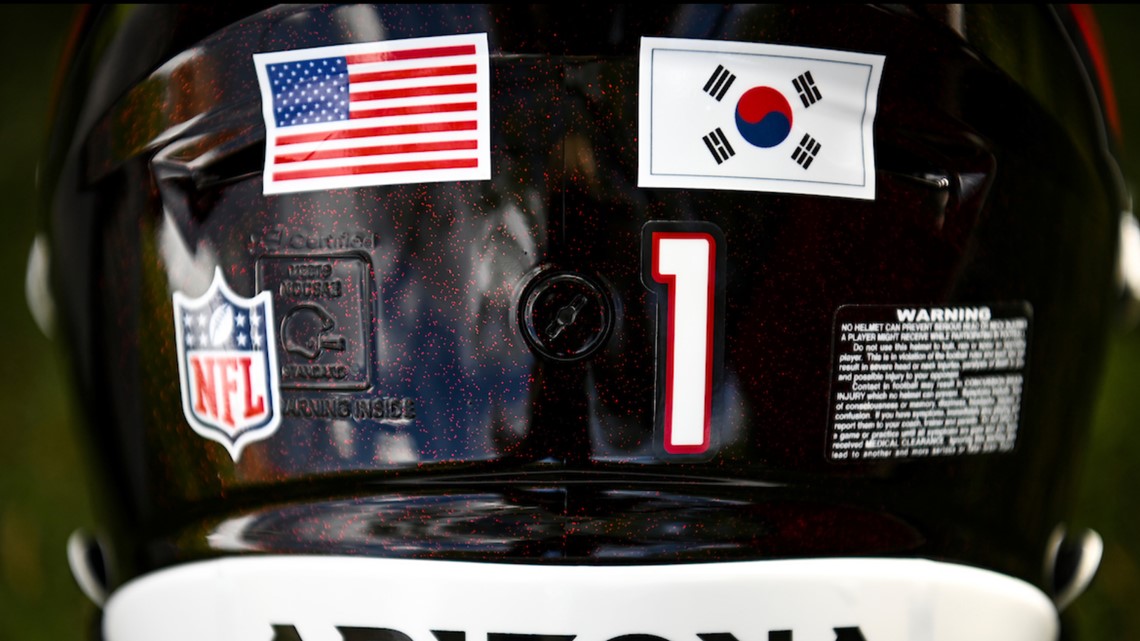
227, 365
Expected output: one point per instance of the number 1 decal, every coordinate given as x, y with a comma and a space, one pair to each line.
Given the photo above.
683, 263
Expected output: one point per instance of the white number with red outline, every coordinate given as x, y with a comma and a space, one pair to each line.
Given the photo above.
684, 259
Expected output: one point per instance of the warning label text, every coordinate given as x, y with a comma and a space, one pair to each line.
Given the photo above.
917, 382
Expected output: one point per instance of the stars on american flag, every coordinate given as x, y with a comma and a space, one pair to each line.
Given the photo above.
309, 91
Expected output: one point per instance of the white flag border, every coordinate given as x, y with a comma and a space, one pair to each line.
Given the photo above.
645, 175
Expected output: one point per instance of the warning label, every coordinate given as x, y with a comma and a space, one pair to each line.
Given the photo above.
911, 382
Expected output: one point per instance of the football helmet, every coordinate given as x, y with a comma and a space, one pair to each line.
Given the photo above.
556, 321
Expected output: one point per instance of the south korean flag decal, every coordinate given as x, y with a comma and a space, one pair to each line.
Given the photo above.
757, 117
227, 365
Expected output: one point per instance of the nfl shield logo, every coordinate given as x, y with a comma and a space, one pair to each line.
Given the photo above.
227, 365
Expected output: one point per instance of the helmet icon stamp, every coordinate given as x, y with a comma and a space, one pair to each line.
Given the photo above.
227, 365
306, 331
326, 317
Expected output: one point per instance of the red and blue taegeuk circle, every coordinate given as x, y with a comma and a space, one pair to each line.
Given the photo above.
763, 116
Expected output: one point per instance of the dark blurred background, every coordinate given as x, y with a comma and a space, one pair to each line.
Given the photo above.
43, 481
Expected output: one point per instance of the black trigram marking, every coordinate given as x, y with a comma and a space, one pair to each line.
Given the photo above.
805, 86
719, 82
718, 146
806, 152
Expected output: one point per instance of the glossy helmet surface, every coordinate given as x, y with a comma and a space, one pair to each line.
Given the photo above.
491, 357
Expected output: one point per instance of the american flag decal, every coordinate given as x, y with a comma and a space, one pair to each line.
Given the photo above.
379, 113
